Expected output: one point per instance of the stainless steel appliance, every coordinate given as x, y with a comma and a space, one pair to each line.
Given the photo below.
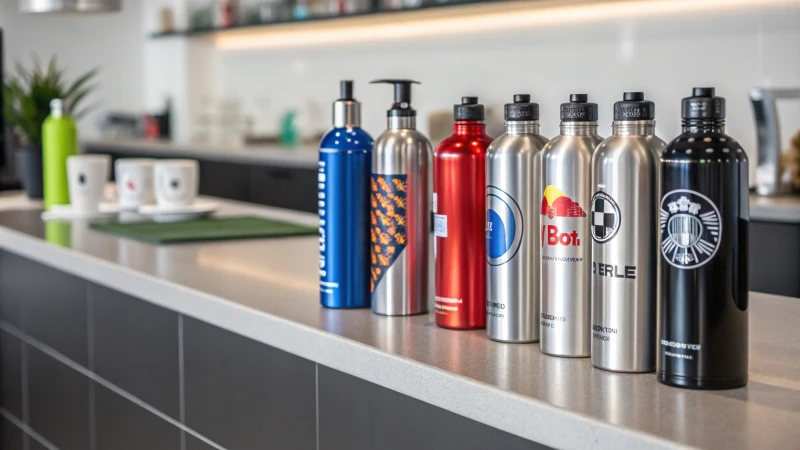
770, 178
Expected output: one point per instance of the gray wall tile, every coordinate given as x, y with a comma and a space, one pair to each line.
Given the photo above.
192, 443
355, 414
58, 401
11, 292
10, 435
11, 373
136, 347
246, 395
53, 304
122, 425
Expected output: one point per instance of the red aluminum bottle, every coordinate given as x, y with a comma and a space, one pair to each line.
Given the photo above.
459, 206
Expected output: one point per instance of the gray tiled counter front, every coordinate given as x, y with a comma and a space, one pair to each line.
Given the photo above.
122, 425
58, 402
243, 394
11, 436
135, 347
261, 296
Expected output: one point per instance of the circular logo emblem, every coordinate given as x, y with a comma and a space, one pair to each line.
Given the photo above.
690, 228
605, 217
504, 226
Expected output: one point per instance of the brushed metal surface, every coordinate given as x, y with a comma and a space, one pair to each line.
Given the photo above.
625, 267
513, 166
407, 286
566, 265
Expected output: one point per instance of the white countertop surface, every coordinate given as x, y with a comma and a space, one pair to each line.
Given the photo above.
267, 290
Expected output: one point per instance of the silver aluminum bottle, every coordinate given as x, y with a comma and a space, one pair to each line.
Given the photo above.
401, 254
513, 169
565, 239
624, 223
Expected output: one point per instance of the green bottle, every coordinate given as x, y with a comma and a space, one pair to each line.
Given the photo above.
59, 141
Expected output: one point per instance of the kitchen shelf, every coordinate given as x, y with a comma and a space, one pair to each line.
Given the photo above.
198, 32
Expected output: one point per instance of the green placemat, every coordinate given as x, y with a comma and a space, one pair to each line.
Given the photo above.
209, 229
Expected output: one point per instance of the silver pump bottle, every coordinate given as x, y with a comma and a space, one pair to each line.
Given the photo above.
513, 169
401, 250
624, 218
565, 239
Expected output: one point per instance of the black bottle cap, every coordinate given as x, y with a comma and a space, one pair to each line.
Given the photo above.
703, 105
402, 97
469, 109
634, 107
346, 90
522, 109
578, 109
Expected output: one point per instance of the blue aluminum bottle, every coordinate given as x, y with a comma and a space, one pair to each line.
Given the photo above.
345, 161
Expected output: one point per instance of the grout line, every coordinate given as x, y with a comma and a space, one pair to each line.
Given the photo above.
44, 348
90, 347
181, 381
28, 430
316, 394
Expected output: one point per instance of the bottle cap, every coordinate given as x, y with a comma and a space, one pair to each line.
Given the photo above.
469, 109
703, 105
402, 97
578, 109
346, 90
634, 107
522, 109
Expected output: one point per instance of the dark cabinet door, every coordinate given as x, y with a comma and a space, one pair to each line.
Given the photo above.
284, 187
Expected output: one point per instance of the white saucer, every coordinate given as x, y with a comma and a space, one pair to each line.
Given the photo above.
65, 212
117, 207
196, 210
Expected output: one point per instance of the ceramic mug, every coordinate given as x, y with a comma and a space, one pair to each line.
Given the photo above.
134, 182
176, 182
87, 176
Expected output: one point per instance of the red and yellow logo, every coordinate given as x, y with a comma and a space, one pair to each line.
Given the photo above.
556, 204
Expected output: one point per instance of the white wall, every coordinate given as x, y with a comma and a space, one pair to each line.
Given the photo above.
664, 56
113, 41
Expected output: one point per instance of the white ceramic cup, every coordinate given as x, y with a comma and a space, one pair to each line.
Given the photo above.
176, 182
134, 181
87, 176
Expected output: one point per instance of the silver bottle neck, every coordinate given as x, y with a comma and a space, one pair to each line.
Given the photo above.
633, 127
522, 127
346, 113
578, 128
402, 122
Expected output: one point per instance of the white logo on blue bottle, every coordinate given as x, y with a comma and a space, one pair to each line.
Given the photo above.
504, 226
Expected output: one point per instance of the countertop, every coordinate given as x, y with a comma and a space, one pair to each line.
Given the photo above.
771, 209
302, 157
267, 290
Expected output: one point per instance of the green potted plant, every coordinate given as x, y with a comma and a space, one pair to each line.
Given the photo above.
27, 97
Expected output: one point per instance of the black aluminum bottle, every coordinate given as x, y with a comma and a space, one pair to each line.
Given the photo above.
704, 215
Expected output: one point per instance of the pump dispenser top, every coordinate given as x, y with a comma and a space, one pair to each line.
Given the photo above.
402, 97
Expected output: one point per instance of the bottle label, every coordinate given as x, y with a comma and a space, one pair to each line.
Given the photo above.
690, 229
605, 217
562, 219
387, 224
504, 226
440, 225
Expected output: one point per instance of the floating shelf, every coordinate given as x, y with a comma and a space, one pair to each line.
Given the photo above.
197, 32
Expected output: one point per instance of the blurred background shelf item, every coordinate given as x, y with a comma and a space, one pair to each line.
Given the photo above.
228, 15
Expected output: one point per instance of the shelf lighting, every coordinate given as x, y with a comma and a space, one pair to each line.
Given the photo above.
455, 20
